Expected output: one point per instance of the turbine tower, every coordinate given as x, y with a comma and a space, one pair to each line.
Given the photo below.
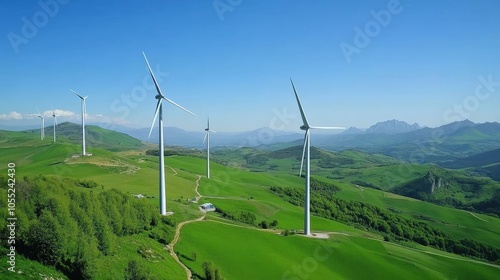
42, 127
84, 112
158, 112
306, 153
55, 123
207, 138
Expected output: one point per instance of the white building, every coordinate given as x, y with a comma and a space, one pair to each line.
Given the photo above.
207, 207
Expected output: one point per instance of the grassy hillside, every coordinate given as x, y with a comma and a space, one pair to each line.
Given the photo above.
239, 251
96, 137
426, 182
487, 163
239, 190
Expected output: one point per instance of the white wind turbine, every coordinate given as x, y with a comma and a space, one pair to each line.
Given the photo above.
84, 113
158, 111
306, 152
55, 124
42, 127
207, 138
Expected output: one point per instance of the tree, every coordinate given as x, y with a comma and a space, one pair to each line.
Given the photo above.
263, 225
211, 272
45, 240
273, 224
134, 271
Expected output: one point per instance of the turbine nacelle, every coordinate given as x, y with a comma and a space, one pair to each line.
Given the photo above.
160, 97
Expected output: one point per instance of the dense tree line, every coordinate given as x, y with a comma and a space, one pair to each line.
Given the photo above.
238, 216
392, 226
63, 225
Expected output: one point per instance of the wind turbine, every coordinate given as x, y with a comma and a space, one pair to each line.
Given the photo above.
306, 152
84, 112
42, 128
158, 111
207, 138
55, 123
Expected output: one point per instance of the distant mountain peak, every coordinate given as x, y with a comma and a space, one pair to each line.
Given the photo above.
392, 127
352, 130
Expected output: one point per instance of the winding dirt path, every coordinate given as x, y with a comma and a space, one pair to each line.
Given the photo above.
175, 172
178, 231
198, 195
176, 239
477, 217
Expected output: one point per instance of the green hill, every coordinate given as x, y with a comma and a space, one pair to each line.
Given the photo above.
71, 190
487, 163
425, 182
96, 136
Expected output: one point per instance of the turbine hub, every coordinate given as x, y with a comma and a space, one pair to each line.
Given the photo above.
304, 127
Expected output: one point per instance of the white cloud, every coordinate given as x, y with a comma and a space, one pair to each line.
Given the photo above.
59, 113
11, 116
64, 115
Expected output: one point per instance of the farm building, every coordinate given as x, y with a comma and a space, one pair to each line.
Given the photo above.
207, 207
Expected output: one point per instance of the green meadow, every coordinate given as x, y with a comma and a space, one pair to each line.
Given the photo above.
240, 250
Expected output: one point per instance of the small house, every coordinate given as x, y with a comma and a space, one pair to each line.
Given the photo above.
208, 207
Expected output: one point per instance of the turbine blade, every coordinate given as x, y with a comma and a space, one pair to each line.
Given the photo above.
302, 114
306, 139
78, 94
208, 123
327, 127
158, 90
172, 102
212, 131
154, 118
204, 139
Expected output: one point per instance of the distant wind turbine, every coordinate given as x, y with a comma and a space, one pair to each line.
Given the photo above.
306, 152
158, 112
84, 112
207, 138
55, 123
42, 127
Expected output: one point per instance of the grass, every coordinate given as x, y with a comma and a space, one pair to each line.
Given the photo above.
238, 251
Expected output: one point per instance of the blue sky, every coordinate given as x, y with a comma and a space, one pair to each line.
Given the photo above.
429, 62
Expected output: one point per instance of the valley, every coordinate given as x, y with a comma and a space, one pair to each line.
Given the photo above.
232, 240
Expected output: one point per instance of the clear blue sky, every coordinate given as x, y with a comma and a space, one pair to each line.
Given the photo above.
234, 62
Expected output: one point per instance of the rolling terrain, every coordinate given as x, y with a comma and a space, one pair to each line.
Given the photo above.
426, 182
233, 243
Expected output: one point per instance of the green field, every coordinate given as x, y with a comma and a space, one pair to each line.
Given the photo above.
241, 251
250, 254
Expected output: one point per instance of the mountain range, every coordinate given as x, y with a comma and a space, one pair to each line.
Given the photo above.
450, 145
